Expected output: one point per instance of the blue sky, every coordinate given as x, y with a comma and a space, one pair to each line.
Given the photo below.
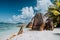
11, 9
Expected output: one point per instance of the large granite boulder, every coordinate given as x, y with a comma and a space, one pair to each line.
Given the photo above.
38, 21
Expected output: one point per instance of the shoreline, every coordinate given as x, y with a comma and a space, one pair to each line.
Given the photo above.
28, 34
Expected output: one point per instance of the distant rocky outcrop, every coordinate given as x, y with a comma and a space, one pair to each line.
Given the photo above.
19, 23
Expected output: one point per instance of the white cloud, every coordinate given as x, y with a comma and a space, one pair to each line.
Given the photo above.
27, 14
42, 5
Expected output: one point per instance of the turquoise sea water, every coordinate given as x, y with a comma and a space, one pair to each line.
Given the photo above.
8, 28
5, 27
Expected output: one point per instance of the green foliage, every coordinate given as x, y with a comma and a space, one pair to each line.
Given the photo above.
55, 11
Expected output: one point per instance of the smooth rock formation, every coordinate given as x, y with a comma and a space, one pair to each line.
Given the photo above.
40, 23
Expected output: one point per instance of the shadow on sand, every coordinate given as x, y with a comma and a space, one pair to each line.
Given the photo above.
56, 34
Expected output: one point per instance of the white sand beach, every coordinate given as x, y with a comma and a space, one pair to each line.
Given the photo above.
34, 35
